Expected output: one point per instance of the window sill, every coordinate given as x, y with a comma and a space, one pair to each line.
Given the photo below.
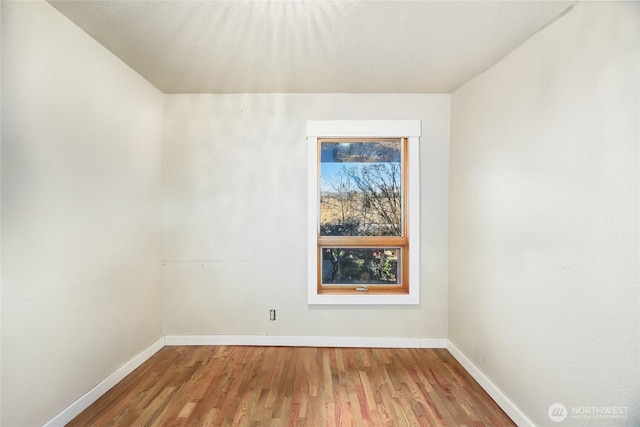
362, 298
369, 291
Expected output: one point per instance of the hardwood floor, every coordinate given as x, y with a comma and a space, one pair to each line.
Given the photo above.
291, 386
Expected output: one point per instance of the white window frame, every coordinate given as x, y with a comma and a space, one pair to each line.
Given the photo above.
410, 129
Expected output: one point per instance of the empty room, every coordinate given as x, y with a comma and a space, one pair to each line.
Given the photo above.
290, 212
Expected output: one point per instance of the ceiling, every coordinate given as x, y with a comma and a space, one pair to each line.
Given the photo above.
302, 46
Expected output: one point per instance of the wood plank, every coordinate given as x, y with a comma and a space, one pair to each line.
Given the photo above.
296, 386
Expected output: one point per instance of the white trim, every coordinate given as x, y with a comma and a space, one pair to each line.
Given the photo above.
412, 298
313, 203
364, 128
306, 341
413, 205
95, 393
500, 398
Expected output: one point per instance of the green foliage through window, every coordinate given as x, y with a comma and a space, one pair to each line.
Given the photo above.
375, 266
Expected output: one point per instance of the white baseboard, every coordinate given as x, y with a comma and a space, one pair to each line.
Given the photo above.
92, 395
306, 341
503, 401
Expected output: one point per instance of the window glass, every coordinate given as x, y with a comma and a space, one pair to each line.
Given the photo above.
361, 188
361, 266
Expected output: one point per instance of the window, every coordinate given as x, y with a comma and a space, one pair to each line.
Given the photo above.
362, 239
363, 212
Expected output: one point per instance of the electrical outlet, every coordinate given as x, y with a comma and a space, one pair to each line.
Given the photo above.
272, 314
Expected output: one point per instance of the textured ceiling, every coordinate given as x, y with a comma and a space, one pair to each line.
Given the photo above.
310, 46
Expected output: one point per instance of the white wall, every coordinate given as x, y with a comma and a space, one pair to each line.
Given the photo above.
236, 214
81, 213
1, 218
543, 238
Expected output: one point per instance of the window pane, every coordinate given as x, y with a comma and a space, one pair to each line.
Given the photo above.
360, 266
361, 188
